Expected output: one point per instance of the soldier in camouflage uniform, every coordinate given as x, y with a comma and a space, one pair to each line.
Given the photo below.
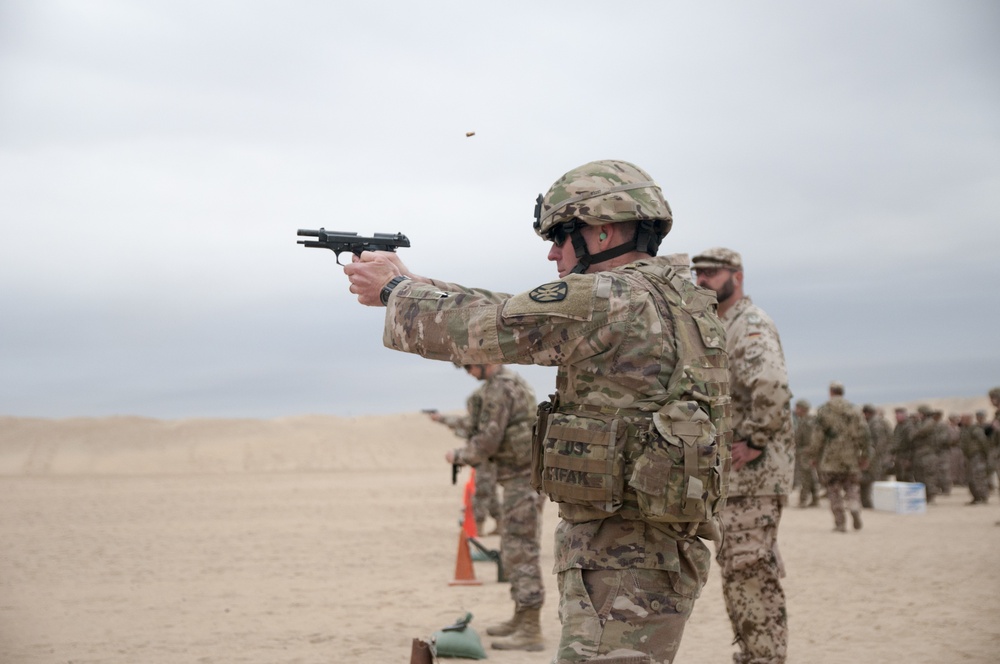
881, 437
987, 429
842, 449
642, 391
923, 453
486, 501
805, 475
976, 449
942, 443
501, 433
763, 464
992, 430
959, 472
902, 436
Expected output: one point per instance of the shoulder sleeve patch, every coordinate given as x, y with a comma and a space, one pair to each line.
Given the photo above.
567, 298
554, 292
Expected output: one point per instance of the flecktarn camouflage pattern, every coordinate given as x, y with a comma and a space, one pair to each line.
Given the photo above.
761, 401
748, 554
718, 257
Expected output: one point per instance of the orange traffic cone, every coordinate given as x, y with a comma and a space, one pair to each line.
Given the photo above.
469, 516
465, 575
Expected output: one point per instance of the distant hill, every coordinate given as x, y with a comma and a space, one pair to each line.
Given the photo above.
131, 445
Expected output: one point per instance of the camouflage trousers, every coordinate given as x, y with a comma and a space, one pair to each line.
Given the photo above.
751, 570
520, 548
808, 486
925, 471
623, 616
486, 501
843, 490
945, 480
979, 483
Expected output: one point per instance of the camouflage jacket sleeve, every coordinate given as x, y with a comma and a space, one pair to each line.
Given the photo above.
881, 438
922, 438
866, 443
551, 325
902, 439
760, 381
973, 443
459, 424
803, 438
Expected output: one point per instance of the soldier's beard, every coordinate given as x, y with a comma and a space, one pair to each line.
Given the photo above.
726, 290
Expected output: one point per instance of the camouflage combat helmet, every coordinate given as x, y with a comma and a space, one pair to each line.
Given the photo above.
604, 192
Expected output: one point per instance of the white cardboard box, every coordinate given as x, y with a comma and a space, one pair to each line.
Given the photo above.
899, 497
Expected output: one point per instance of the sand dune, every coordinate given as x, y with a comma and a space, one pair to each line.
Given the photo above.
142, 446
136, 445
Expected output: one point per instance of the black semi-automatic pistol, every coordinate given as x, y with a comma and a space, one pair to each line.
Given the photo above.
340, 241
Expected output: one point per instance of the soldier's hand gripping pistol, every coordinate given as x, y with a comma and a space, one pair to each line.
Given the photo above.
339, 241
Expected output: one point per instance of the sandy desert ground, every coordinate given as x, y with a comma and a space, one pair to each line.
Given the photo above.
319, 539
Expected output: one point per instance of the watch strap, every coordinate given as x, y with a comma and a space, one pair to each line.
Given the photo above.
389, 287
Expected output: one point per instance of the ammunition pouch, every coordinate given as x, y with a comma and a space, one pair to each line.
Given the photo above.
679, 472
670, 466
579, 462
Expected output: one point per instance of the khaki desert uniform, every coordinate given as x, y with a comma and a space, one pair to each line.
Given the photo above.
841, 446
501, 434
750, 562
627, 342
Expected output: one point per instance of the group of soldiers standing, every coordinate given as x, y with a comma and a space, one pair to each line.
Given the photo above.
924, 446
670, 425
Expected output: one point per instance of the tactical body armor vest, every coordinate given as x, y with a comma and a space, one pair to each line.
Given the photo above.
669, 465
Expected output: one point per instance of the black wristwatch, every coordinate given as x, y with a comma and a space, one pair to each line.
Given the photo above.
387, 289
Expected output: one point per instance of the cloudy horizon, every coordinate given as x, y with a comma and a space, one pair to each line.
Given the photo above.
156, 160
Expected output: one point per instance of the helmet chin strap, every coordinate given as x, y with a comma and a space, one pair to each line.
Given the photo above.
645, 241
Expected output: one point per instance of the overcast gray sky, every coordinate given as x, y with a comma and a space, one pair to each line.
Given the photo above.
156, 159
